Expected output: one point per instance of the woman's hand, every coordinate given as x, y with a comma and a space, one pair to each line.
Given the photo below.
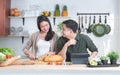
50, 53
31, 56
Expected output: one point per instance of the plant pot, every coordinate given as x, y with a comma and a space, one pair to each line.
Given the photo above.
113, 61
105, 62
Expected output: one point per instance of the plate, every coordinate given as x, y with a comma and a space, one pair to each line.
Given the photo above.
12, 29
19, 29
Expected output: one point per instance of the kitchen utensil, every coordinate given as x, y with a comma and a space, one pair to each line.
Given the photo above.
89, 30
24, 62
79, 30
82, 27
99, 29
108, 28
92, 25
85, 26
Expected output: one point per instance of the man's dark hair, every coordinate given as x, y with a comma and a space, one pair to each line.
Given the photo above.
50, 33
71, 24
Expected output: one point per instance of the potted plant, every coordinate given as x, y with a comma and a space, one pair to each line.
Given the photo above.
104, 59
59, 28
113, 56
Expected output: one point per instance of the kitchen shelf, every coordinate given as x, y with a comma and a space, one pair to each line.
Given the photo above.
93, 14
18, 36
23, 17
36, 16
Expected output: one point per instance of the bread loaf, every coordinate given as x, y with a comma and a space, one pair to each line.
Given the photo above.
53, 58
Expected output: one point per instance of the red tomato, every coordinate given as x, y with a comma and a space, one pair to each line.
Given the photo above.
8, 56
49, 63
58, 63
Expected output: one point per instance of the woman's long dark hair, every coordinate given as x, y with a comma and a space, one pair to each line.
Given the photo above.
50, 33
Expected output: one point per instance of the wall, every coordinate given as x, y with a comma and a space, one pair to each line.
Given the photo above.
118, 20
104, 44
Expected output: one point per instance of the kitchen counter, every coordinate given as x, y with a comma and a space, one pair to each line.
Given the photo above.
58, 70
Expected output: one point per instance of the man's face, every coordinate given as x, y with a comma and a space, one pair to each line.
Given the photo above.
66, 31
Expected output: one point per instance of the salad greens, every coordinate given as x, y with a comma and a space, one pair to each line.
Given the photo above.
7, 51
2, 57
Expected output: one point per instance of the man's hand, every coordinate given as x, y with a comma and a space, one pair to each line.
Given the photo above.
71, 42
94, 54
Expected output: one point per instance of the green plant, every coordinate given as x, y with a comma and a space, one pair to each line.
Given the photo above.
104, 57
2, 57
60, 26
113, 55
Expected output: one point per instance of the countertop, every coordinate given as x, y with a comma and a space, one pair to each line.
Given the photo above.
78, 69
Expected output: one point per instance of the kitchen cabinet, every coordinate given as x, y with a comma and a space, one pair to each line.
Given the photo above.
4, 20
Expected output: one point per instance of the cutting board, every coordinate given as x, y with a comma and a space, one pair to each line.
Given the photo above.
29, 62
10, 61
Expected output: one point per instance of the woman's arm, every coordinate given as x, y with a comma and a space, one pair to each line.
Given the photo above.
29, 54
30, 44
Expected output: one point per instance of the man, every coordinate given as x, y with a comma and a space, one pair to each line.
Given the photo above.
73, 42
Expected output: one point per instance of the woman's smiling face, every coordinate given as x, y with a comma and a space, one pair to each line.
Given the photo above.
44, 26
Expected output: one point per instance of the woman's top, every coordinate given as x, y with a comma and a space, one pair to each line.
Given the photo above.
43, 47
32, 43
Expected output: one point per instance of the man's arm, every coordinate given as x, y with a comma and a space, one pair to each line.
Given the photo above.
66, 45
63, 51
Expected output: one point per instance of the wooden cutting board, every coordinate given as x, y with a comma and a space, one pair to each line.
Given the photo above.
10, 61
29, 62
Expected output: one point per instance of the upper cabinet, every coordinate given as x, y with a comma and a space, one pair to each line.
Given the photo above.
4, 19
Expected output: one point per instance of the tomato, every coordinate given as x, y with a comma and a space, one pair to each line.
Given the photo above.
49, 63
8, 56
58, 63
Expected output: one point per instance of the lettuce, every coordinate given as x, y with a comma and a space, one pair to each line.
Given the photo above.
7, 51
2, 57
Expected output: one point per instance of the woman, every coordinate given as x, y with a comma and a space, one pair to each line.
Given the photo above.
43, 41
